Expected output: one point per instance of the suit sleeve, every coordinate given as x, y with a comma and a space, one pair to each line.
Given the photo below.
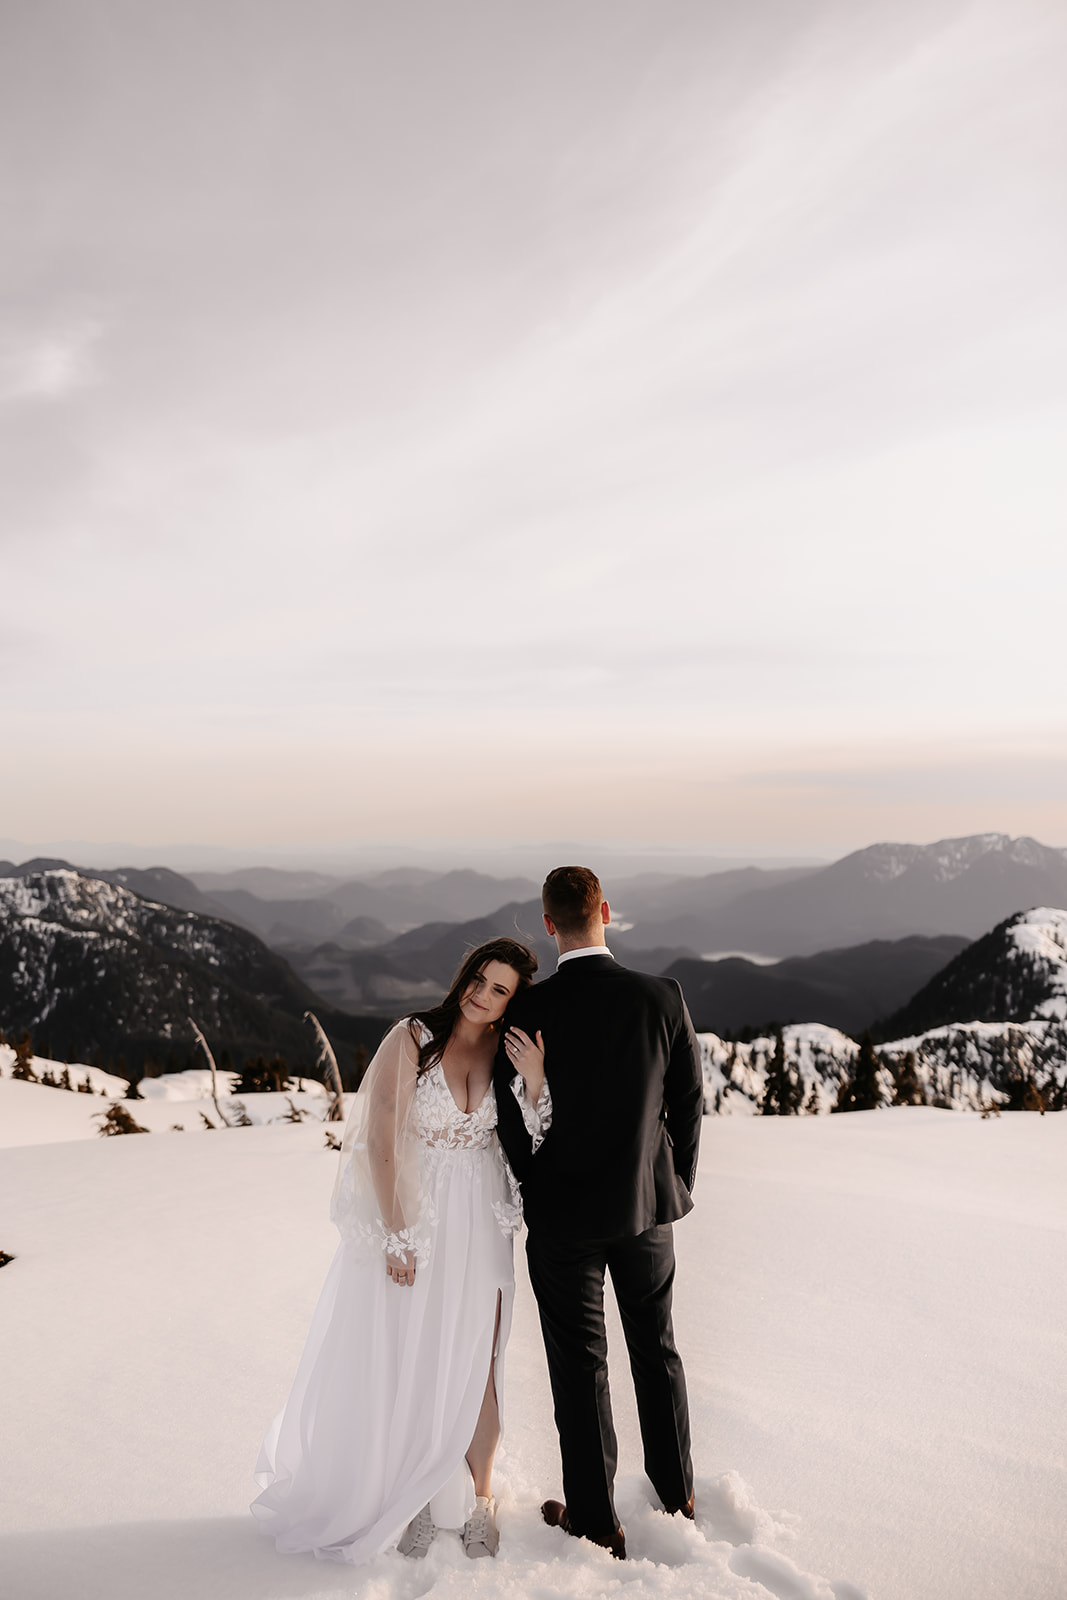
510, 1127
683, 1093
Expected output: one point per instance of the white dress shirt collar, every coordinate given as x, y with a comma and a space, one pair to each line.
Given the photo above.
586, 950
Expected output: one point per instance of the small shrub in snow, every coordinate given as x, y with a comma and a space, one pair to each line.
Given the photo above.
263, 1077
23, 1068
177, 1127
239, 1113
5, 1258
206, 1120
116, 1119
294, 1113
332, 1141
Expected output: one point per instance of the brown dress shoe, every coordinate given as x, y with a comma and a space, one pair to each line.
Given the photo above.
555, 1514
682, 1511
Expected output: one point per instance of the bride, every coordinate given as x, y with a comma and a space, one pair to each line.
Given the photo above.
395, 1406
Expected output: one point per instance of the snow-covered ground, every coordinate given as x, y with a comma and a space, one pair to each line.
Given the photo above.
871, 1307
35, 1113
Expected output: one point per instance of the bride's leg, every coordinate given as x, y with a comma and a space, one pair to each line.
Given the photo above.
487, 1432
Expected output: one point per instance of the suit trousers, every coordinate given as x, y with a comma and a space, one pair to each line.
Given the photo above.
568, 1281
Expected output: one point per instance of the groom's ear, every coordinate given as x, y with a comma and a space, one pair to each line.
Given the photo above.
550, 926
605, 913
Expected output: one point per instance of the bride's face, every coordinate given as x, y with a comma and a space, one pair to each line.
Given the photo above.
488, 994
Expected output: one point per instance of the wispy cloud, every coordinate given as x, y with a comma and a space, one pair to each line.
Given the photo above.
52, 364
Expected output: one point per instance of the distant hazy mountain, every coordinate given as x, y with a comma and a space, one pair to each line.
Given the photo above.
90, 966
404, 899
847, 989
415, 968
1016, 973
654, 897
292, 908
888, 891
268, 883
282, 922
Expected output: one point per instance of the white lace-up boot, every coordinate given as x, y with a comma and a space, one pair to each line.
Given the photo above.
417, 1537
481, 1536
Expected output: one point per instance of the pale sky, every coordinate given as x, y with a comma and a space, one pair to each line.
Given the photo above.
492, 421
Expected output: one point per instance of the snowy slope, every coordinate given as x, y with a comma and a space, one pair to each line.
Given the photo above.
874, 1345
176, 1102
1018, 972
87, 965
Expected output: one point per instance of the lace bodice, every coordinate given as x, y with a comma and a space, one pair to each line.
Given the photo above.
438, 1121
406, 1139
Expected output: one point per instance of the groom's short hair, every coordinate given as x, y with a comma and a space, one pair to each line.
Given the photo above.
572, 897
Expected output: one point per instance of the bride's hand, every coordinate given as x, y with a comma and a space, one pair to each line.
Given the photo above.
398, 1269
527, 1056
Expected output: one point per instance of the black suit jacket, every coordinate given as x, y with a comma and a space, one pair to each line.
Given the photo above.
623, 1068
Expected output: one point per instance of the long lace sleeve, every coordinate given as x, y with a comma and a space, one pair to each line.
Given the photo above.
537, 1119
388, 1105
378, 1201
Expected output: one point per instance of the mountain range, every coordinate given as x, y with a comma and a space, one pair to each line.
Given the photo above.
887, 891
1015, 973
163, 944
846, 989
993, 1035
95, 971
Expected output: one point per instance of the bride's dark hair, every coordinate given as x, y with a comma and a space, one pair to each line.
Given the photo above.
441, 1019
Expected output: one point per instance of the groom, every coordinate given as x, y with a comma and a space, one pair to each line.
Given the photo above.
606, 1163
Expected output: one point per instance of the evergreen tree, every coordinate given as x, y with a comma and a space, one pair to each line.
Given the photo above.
907, 1090
64, 1078
1033, 1099
116, 1119
783, 1088
861, 1090
23, 1068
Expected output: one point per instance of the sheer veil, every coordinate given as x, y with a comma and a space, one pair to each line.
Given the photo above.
379, 1203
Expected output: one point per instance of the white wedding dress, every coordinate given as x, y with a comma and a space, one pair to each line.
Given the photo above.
390, 1384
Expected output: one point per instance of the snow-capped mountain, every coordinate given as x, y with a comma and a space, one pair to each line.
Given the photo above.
988, 1031
887, 891
1016, 973
90, 967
